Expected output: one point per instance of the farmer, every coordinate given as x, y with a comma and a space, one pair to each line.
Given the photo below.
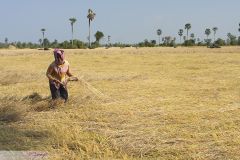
56, 73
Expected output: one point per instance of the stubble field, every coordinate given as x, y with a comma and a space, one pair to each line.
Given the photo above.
155, 103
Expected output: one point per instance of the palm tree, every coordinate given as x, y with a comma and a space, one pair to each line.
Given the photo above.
198, 40
90, 17
109, 40
159, 33
184, 38
208, 32
214, 32
43, 32
192, 35
6, 40
180, 33
40, 41
72, 21
188, 27
239, 27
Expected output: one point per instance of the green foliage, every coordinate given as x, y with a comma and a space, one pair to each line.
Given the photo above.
99, 35
192, 35
46, 43
154, 42
188, 27
190, 42
208, 32
214, 31
167, 40
147, 43
220, 42
180, 32
208, 41
3, 45
232, 39
77, 44
159, 32
72, 20
121, 45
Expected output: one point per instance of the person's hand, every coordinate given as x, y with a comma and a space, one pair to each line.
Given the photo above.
72, 78
59, 82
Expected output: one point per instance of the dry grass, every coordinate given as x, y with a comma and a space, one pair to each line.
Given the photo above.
150, 103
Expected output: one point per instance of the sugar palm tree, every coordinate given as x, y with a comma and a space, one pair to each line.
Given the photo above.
208, 32
192, 35
239, 27
188, 27
109, 40
159, 33
6, 40
180, 33
40, 41
214, 32
43, 33
72, 21
90, 17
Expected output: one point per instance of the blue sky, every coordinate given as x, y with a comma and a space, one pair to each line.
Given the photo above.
127, 21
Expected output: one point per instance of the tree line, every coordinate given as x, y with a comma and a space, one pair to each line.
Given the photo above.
188, 39
192, 40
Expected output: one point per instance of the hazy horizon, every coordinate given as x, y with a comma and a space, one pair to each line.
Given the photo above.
125, 21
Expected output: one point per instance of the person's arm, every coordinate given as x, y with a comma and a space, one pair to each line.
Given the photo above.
50, 77
70, 75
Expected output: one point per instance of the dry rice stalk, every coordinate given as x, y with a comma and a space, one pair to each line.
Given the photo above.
93, 90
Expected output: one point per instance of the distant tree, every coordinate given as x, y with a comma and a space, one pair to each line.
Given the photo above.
163, 39
46, 42
145, 43
72, 21
188, 27
98, 35
220, 42
239, 27
173, 42
232, 40
192, 35
109, 37
90, 17
239, 36
153, 42
198, 40
43, 33
40, 41
180, 33
214, 32
6, 40
207, 32
54, 44
167, 40
65, 45
184, 38
159, 33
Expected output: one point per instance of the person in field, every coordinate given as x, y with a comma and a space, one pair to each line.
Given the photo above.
57, 73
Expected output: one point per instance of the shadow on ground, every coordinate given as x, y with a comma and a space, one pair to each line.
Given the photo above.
15, 139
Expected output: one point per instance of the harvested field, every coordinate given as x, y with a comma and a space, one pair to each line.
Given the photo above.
145, 103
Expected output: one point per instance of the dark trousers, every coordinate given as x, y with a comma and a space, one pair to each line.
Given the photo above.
60, 92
